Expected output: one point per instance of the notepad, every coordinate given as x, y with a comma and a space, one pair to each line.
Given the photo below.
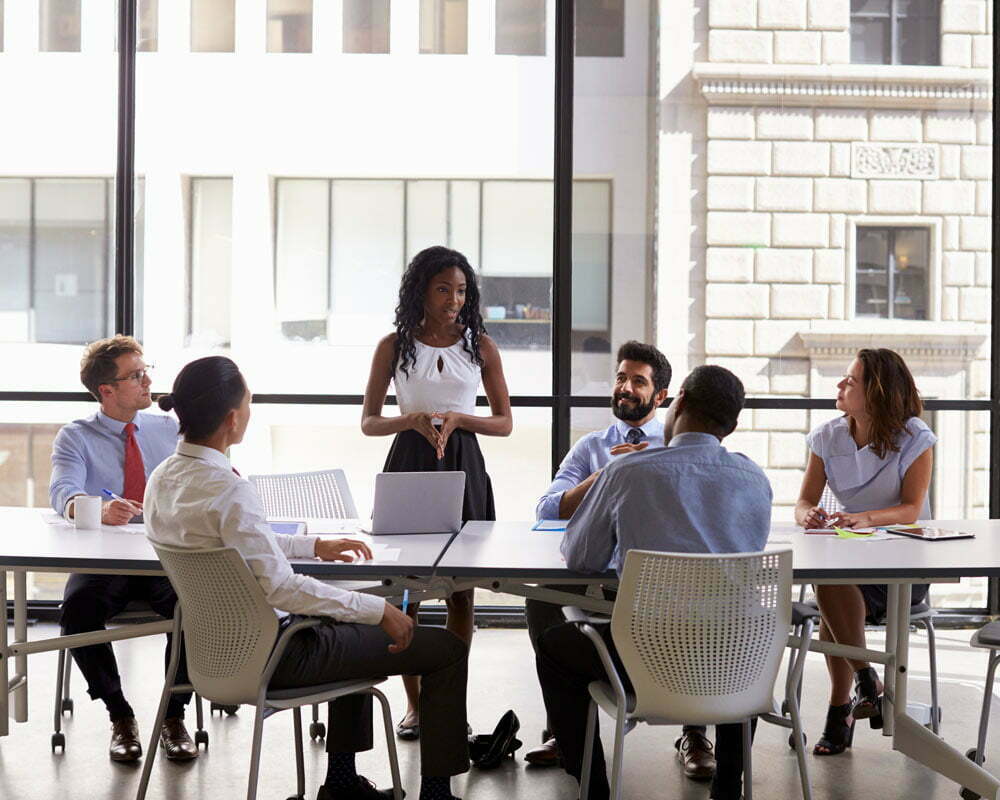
287, 527
549, 525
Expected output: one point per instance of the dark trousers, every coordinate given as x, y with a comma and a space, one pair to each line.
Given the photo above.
342, 651
89, 601
567, 662
540, 616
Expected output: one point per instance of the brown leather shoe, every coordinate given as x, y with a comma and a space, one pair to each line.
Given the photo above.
174, 739
125, 740
694, 751
545, 755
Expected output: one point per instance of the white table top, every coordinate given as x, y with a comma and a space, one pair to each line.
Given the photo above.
30, 538
512, 549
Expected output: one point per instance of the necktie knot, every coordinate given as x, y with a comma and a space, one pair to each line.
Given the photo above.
634, 436
129, 430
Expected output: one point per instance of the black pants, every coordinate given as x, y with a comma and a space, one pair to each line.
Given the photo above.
342, 651
567, 662
89, 601
540, 616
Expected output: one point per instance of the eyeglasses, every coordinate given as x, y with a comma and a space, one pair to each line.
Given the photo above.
138, 376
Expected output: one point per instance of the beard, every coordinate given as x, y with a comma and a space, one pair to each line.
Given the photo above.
630, 414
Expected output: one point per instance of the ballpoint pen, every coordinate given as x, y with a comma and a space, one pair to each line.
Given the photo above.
406, 599
114, 496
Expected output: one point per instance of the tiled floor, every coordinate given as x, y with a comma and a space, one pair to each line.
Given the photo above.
501, 677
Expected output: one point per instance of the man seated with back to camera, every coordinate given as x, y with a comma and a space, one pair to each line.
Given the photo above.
680, 498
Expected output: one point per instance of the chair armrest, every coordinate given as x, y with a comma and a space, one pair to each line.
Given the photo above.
282, 643
577, 616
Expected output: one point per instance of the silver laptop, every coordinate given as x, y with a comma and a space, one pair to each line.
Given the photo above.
418, 502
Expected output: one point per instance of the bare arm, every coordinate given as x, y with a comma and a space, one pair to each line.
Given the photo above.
911, 498
373, 423
808, 512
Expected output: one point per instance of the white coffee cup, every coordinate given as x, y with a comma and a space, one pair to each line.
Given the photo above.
87, 512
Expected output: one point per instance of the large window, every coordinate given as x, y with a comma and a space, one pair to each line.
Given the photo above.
289, 26
893, 266
895, 31
213, 26
366, 26
59, 26
520, 27
444, 26
211, 258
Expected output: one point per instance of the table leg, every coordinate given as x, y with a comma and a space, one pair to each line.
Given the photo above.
889, 674
4, 672
913, 739
21, 635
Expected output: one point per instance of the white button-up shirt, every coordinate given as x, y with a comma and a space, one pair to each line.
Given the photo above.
195, 500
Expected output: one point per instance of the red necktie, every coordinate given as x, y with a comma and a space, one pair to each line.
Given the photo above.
135, 471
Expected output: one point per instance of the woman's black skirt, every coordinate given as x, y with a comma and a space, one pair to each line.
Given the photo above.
411, 452
877, 599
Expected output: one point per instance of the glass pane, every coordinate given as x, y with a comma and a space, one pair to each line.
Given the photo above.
918, 40
872, 272
366, 26
302, 260
213, 26
289, 26
444, 26
870, 41
591, 271
1, 26
426, 215
148, 35
520, 28
911, 268
211, 260
59, 26
15, 255
600, 28
871, 7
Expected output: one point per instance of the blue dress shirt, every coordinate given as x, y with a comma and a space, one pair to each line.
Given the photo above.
89, 454
591, 453
692, 496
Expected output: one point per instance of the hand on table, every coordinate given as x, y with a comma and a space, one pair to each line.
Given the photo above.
398, 626
119, 512
816, 517
622, 449
341, 549
844, 520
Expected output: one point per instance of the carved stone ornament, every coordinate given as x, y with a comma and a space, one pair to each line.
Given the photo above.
895, 160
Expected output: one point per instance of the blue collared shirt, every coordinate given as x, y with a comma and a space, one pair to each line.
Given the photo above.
89, 454
591, 453
692, 496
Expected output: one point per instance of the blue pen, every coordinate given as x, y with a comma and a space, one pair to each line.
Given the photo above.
114, 496
406, 599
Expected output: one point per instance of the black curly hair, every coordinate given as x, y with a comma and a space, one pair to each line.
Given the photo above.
410, 309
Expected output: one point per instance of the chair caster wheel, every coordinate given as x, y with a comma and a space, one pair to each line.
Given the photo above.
67, 705
58, 740
968, 794
201, 738
317, 730
791, 740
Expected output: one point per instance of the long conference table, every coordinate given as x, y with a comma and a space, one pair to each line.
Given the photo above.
512, 558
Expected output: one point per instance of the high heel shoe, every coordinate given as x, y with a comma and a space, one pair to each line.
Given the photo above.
867, 702
837, 733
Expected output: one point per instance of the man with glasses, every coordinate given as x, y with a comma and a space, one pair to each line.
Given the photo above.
116, 449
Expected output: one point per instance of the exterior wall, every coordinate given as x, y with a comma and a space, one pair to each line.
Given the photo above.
784, 196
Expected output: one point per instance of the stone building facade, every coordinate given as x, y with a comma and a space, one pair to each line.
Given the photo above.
811, 162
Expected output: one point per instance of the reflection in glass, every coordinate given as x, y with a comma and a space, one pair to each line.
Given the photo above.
366, 26
213, 26
600, 28
15, 256
444, 26
520, 27
59, 26
211, 255
289, 26
892, 272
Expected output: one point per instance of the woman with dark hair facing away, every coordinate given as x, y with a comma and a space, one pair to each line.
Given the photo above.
877, 461
437, 357
195, 499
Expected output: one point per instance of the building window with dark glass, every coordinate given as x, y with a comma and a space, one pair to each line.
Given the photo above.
896, 32
892, 272
520, 28
444, 26
600, 28
366, 26
59, 26
289, 26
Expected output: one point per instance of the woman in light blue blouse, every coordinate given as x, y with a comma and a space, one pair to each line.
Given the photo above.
877, 461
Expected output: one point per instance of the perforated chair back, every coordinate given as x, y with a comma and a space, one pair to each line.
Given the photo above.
701, 636
229, 627
306, 494
828, 501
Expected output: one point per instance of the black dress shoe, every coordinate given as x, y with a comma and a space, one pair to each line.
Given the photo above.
174, 739
365, 790
545, 755
694, 751
408, 733
125, 740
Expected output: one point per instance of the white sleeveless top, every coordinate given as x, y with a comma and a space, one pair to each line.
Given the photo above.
428, 389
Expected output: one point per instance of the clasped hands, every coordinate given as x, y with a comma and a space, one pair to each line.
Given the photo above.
436, 435
817, 517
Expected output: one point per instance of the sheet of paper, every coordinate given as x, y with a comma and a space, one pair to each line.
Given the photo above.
332, 526
549, 525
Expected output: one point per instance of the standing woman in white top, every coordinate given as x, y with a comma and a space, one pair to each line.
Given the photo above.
437, 358
877, 461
